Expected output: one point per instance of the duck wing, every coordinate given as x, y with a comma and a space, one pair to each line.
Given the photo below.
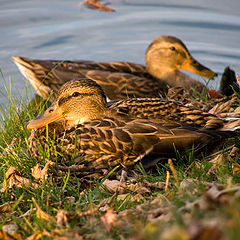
161, 110
103, 144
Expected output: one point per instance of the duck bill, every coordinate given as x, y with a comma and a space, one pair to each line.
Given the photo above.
50, 115
195, 67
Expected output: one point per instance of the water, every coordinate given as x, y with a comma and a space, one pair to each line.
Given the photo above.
66, 30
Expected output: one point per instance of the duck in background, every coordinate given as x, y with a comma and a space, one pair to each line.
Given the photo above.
165, 56
100, 138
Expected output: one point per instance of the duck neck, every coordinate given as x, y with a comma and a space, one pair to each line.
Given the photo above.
162, 72
172, 77
91, 111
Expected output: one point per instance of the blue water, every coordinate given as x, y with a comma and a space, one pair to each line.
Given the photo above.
67, 30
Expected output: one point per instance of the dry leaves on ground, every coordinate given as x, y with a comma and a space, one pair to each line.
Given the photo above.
109, 219
41, 174
14, 178
223, 107
120, 187
41, 214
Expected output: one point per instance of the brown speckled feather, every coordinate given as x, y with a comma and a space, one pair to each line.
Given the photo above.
118, 79
107, 142
99, 137
165, 56
158, 109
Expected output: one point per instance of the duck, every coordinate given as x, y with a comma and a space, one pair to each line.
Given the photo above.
99, 138
165, 57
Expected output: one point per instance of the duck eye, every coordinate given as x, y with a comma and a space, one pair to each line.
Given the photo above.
75, 94
173, 48
50, 110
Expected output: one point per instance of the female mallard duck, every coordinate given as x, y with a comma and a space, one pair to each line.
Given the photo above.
165, 56
100, 138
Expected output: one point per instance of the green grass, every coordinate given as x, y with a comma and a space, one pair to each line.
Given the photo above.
152, 214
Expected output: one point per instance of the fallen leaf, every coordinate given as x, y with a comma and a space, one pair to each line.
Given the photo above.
36, 235
234, 152
95, 4
109, 219
236, 169
214, 94
217, 162
5, 208
222, 106
40, 174
14, 178
114, 186
197, 231
70, 199
7, 236
62, 219
10, 228
41, 214
175, 233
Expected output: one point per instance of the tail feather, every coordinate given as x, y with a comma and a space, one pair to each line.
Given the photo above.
27, 69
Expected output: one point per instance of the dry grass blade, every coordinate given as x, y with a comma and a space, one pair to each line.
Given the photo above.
167, 180
173, 171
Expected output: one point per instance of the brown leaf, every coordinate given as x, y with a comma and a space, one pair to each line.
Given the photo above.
5, 208
10, 228
133, 198
40, 174
109, 219
217, 162
199, 232
175, 233
114, 186
41, 214
62, 219
14, 178
140, 187
222, 106
233, 152
236, 169
36, 235
7, 236
95, 4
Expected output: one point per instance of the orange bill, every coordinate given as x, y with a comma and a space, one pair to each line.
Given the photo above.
195, 67
52, 114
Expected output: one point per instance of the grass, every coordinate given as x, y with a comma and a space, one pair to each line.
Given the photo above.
64, 205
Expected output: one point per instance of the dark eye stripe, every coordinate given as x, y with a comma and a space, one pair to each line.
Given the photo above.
75, 94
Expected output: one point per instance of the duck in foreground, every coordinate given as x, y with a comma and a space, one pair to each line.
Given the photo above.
165, 56
101, 138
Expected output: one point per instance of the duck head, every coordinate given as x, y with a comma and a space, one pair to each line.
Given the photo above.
78, 101
166, 55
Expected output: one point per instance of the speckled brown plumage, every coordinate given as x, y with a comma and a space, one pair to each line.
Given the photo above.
158, 109
105, 143
164, 57
107, 136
